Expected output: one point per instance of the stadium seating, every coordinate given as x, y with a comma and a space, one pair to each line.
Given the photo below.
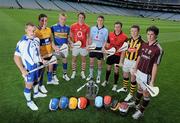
30, 4
87, 7
9, 3
46, 4
63, 5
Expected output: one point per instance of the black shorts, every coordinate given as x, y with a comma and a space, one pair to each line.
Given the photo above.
47, 58
97, 55
114, 59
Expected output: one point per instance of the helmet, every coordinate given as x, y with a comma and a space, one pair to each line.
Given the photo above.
123, 108
114, 105
53, 104
82, 102
99, 101
107, 101
63, 103
73, 103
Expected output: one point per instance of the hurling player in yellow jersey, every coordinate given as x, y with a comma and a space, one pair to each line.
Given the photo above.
45, 35
134, 44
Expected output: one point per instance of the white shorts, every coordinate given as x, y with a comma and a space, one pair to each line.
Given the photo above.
64, 53
81, 51
128, 65
142, 78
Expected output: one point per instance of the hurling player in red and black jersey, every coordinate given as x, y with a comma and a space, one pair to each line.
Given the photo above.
116, 40
146, 68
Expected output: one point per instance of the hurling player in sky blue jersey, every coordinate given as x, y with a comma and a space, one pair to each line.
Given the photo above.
98, 35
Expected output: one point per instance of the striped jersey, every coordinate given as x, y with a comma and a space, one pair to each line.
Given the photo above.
60, 34
45, 40
133, 48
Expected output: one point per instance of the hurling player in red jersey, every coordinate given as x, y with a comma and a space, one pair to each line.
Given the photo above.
146, 69
79, 32
116, 40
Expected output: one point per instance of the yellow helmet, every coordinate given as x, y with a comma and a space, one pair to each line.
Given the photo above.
73, 102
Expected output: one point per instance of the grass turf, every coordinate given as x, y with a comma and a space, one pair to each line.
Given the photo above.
164, 108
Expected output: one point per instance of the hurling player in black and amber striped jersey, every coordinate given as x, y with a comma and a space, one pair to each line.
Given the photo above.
134, 44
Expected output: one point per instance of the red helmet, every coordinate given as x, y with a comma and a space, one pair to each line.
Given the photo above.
82, 102
107, 100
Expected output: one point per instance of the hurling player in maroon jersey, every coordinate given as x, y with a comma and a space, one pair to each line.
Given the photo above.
146, 69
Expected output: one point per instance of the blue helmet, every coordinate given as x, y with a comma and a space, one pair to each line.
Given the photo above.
53, 105
99, 101
64, 102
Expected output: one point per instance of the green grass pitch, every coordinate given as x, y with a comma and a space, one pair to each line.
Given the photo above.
165, 108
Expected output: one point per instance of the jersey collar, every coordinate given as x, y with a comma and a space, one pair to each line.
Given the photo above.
118, 34
139, 37
99, 28
153, 43
39, 27
60, 25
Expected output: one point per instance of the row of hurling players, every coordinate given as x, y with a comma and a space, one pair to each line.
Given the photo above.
38, 44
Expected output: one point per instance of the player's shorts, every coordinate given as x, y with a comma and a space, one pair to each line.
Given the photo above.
114, 59
142, 77
32, 77
64, 53
97, 55
48, 58
128, 65
81, 51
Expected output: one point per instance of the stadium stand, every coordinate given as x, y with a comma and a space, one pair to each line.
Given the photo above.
30, 4
9, 3
63, 5
46, 4
161, 9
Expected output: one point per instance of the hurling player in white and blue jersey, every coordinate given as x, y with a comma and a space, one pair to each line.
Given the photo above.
27, 57
98, 35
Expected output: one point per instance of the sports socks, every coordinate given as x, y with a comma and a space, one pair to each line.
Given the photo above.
73, 66
144, 104
27, 94
49, 76
99, 71
133, 87
83, 66
125, 82
108, 72
138, 98
116, 77
64, 68
54, 69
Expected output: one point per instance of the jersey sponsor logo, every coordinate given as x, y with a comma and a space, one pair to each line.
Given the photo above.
79, 34
132, 50
146, 57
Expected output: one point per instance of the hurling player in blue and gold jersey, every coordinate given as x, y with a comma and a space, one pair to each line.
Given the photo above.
61, 35
45, 35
